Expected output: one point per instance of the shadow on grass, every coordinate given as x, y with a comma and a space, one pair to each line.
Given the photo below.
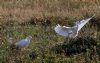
95, 22
77, 46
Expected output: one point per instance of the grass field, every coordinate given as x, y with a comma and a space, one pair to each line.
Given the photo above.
21, 18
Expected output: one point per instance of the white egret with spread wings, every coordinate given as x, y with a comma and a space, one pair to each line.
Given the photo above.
71, 32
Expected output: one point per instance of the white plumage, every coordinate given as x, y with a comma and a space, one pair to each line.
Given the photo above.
71, 32
23, 42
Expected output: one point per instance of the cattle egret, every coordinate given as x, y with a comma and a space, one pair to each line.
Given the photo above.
23, 42
71, 32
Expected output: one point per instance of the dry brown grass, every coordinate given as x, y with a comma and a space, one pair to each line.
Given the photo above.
23, 10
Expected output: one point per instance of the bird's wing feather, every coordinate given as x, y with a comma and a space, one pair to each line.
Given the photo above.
81, 23
21, 43
62, 30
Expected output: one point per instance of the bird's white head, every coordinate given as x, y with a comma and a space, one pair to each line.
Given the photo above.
29, 38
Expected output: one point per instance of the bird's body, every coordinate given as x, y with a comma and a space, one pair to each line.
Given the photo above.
66, 31
23, 42
71, 32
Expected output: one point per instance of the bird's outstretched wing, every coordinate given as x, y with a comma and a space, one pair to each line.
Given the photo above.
62, 30
81, 23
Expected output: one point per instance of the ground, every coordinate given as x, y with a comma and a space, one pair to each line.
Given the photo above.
21, 18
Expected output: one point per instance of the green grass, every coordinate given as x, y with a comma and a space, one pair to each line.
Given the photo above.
44, 38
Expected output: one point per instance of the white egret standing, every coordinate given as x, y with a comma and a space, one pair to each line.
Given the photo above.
23, 42
71, 32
